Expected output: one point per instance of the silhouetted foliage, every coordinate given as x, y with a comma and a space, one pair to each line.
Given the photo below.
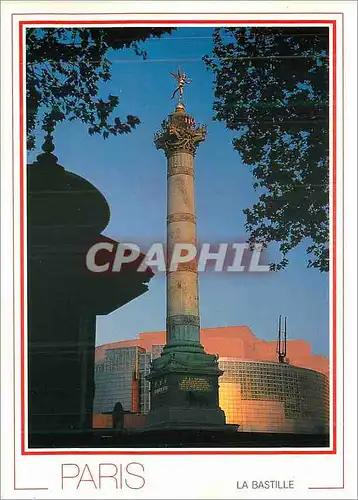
271, 85
64, 69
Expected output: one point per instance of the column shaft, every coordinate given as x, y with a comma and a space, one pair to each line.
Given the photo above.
182, 284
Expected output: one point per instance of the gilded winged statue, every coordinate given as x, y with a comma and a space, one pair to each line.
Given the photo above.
182, 80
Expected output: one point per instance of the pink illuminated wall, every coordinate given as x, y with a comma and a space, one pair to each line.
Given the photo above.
235, 342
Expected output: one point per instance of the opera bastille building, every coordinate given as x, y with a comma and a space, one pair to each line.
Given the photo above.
256, 391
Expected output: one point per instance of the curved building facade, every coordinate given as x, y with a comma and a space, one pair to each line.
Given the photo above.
274, 397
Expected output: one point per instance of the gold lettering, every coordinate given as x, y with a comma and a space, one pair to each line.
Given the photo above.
195, 384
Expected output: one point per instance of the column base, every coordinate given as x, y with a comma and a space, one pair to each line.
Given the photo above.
184, 391
187, 418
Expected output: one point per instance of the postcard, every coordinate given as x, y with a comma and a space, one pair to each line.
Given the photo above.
178, 255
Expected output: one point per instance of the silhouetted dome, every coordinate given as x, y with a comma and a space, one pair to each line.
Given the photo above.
62, 203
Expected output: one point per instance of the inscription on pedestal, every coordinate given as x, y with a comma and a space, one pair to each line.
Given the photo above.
195, 384
159, 386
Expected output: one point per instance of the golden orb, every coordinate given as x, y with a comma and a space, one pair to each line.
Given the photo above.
180, 108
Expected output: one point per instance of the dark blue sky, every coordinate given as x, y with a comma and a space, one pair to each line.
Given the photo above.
131, 173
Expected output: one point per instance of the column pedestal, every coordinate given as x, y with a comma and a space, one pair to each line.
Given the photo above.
184, 389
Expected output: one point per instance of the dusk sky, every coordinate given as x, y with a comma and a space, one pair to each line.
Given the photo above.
131, 174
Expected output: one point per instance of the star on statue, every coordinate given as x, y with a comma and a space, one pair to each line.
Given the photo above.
182, 79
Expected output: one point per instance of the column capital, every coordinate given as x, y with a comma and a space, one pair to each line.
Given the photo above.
179, 133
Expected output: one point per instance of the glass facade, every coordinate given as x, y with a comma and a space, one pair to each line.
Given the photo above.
115, 377
144, 369
273, 397
144, 385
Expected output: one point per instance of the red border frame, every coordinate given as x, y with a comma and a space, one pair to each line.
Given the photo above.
330, 22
